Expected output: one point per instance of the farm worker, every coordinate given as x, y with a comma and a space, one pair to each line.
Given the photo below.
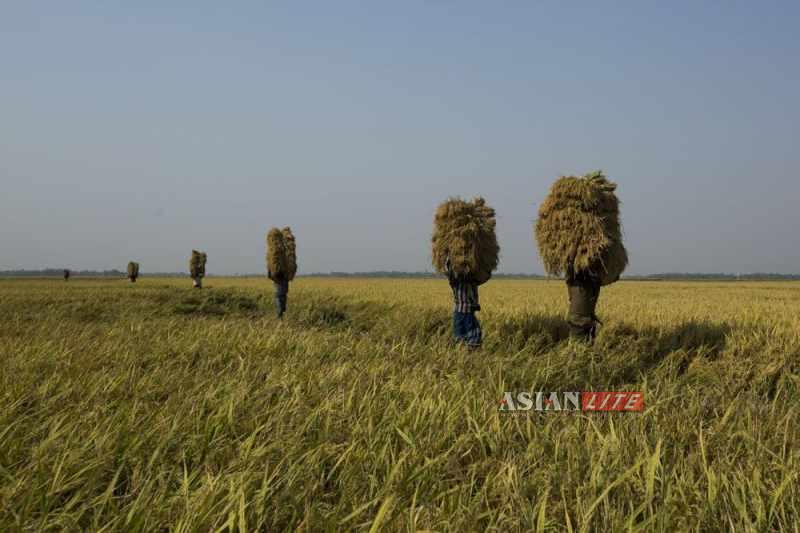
466, 327
583, 289
281, 291
197, 268
66, 274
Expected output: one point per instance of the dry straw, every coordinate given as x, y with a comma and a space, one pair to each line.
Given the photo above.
464, 232
579, 229
281, 253
197, 264
276, 253
133, 270
291, 252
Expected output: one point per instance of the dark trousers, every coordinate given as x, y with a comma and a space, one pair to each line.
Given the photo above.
583, 295
467, 329
280, 304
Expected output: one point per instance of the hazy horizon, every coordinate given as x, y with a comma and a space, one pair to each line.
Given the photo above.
121, 273
139, 132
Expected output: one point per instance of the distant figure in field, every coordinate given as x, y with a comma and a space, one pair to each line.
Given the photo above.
133, 271
281, 264
281, 285
66, 274
197, 268
466, 327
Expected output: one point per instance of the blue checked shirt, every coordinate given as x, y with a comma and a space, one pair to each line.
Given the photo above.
465, 294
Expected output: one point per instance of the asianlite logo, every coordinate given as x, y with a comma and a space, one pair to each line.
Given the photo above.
572, 401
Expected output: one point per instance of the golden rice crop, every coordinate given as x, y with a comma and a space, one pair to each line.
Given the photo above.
158, 410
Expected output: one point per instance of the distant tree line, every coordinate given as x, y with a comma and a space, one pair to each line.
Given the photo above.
59, 272
401, 274
114, 273
719, 276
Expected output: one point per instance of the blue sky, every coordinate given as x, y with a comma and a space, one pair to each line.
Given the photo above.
139, 131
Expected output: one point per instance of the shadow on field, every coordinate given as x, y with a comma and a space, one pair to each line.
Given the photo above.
691, 336
89, 312
338, 313
540, 330
678, 346
319, 311
322, 313
218, 303
383, 321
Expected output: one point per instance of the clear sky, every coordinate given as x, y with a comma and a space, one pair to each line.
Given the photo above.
131, 130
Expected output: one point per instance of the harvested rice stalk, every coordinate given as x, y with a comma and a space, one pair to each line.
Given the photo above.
578, 229
276, 253
133, 271
197, 267
465, 232
291, 253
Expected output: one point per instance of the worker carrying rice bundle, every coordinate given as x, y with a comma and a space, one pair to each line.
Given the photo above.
579, 235
133, 271
281, 264
197, 268
465, 248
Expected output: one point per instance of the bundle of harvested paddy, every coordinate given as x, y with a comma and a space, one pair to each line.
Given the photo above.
133, 270
464, 232
197, 264
291, 252
276, 253
579, 229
